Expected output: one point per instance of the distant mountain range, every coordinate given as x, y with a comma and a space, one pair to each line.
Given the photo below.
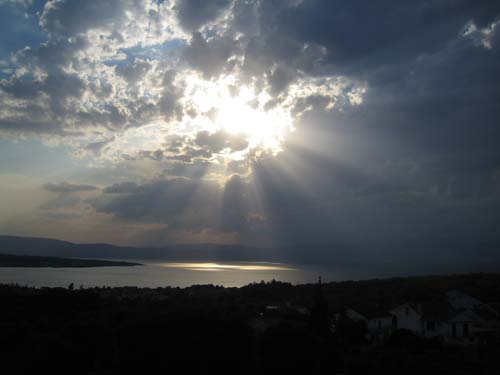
410, 259
191, 252
201, 252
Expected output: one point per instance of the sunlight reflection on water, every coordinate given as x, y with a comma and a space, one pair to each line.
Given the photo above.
159, 273
156, 274
222, 267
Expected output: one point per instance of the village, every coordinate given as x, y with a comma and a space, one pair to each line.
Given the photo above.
457, 319
436, 324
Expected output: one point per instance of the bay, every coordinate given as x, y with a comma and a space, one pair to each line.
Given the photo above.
155, 274
158, 274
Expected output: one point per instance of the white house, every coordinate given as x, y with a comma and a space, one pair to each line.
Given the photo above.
473, 325
462, 301
435, 318
378, 323
408, 316
458, 317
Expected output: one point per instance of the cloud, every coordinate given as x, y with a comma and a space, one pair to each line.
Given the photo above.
135, 71
68, 196
62, 201
220, 140
100, 70
65, 187
21, 3
194, 14
178, 202
393, 109
70, 18
422, 27
122, 188
209, 57
97, 147
235, 205
69, 76
188, 207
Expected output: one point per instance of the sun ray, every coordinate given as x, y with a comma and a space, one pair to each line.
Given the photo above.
238, 110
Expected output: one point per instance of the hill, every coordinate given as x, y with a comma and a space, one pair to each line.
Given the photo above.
410, 259
8, 260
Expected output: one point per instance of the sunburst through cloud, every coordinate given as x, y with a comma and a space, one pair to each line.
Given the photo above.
249, 186
309, 124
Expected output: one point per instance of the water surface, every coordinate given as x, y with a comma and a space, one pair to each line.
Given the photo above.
154, 274
159, 274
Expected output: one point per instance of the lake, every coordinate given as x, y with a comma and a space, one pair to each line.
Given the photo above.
159, 274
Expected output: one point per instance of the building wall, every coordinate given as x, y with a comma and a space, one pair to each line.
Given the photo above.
459, 300
377, 325
408, 318
440, 329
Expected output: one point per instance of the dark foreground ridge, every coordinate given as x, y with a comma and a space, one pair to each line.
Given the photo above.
7, 260
417, 325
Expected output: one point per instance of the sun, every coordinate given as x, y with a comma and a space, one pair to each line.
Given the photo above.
242, 114
242, 122
240, 111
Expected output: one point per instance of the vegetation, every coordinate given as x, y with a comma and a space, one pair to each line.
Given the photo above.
257, 329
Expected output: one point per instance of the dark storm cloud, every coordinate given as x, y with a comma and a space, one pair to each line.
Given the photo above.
389, 214
189, 168
410, 168
52, 55
360, 34
417, 163
413, 171
68, 18
235, 205
134, 71
122, 188
34, 117
283, 39
209, 57
177, 202
168, 102
21, 89
193, 14
58, 86
183, 204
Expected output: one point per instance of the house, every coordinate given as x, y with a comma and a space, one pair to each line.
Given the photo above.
460, 318
473, 325
378, 321
457, 318
435, 317
407, 316
462, 301
380, 325
472, 320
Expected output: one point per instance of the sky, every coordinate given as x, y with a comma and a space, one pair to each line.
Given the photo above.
368, 126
